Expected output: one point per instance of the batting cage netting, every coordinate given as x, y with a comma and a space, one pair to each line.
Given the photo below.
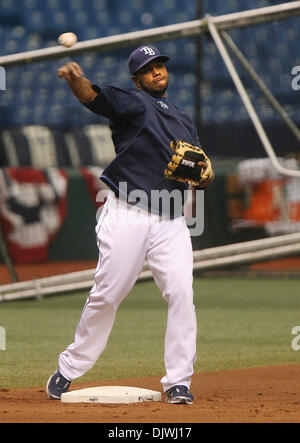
234, 69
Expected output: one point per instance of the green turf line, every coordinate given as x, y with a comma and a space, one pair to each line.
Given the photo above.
241, 323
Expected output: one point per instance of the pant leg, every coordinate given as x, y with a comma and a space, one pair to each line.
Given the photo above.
170, 258
119, 267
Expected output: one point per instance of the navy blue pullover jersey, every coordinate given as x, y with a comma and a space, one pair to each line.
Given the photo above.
142, 129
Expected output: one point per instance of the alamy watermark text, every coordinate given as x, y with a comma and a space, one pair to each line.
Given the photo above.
170, 204
296, 79
2, 79
296, 339
2, 339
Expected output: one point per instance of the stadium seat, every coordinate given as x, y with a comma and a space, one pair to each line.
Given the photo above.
90, 145
33, 146
10, 13
43, 100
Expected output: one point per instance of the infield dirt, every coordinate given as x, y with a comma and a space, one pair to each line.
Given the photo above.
256, 395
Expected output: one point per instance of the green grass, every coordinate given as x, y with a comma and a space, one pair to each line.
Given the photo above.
241, 323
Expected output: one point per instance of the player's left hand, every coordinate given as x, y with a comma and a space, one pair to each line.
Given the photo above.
189, 164
210, 177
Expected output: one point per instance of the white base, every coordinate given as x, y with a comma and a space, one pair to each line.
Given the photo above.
111, 394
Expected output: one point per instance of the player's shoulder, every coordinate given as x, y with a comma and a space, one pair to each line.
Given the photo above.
122, 90
125, 100
123, 94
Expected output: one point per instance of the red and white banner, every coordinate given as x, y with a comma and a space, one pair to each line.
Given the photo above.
33, 207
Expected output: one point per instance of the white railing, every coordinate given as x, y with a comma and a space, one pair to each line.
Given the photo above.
208, 259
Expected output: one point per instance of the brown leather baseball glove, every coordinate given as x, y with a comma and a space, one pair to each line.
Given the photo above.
190, 165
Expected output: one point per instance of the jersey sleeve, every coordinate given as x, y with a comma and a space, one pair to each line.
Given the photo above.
113, 103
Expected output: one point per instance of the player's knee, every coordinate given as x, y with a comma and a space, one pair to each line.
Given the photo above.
105, 301
179, 291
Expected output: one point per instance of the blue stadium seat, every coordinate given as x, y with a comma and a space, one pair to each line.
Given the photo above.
90, 145
43, 99
34, 145
12, 38
10, 13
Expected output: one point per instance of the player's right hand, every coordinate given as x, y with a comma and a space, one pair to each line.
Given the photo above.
70, 71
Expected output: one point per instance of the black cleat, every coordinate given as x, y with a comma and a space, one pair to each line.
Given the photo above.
179, 395
57, 385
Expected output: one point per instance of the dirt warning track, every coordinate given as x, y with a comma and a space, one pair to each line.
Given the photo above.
256, 395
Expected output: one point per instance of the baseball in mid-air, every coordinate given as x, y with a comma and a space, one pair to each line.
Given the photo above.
68, 39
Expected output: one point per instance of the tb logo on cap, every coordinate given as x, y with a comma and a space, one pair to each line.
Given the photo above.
148, 51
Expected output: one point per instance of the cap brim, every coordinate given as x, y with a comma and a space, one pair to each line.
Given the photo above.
163, 58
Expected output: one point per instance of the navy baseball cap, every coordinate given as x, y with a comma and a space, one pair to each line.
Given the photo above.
142, 56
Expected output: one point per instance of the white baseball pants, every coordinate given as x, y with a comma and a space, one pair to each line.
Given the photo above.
127, 236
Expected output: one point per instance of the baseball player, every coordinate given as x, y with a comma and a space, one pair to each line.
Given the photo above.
131, 230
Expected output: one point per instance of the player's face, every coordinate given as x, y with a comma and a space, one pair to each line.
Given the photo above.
153, 78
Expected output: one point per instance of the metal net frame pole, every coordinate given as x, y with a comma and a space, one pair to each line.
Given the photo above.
198, 69
261, 84
246, 100
7, 259
181, 30
205, 260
